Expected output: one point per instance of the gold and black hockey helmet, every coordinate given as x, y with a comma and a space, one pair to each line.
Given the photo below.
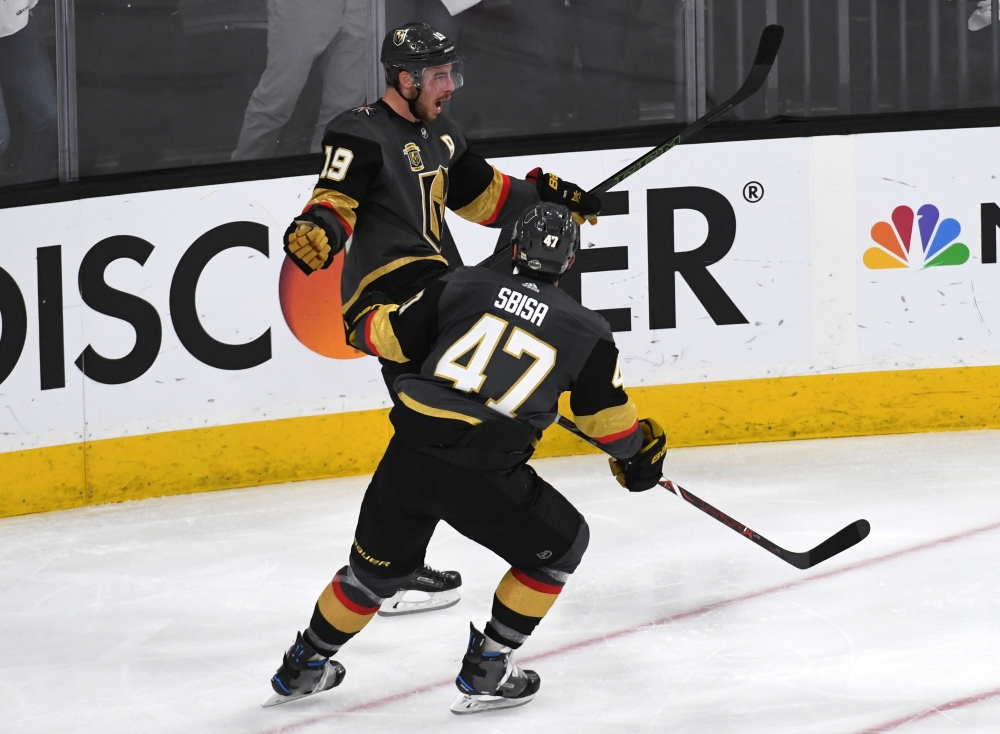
416, 46
547, 238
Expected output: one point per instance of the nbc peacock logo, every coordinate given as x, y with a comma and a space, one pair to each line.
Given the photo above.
937, 241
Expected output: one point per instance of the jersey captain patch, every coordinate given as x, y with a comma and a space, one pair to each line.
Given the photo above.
450, 142
412, 151
434, 196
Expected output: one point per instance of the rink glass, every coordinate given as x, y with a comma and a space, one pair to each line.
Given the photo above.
161, 84
29, 143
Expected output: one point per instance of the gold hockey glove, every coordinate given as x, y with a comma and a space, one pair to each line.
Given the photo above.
551, 188
643, 471
308, 246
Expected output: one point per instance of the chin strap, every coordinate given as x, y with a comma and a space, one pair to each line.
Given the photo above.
410, 103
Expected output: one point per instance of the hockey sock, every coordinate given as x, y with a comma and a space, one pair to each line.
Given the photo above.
491, 645
520, 602
343, 610
327, 651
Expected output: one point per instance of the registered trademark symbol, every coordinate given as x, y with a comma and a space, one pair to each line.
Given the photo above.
753, 192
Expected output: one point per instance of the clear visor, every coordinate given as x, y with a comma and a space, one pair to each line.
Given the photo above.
440, 79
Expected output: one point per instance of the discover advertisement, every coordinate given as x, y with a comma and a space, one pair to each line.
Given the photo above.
174, 310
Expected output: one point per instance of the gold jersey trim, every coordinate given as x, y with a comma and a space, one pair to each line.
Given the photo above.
383, 337
343, 204
482, 207
522, 599
385, 269
340, 617
419, 407
609, 421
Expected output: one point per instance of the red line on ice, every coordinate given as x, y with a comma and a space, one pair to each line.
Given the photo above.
378, 702
956, 704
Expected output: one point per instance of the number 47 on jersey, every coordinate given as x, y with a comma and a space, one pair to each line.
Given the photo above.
482, 340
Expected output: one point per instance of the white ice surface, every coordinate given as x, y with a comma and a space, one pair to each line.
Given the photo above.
170, 615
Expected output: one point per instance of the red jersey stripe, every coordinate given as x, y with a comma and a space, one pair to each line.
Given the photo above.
350, 605
347, 227
612, 437
533, 584
500, 201
368, 334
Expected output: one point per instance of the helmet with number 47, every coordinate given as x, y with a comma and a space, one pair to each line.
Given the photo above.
547, 239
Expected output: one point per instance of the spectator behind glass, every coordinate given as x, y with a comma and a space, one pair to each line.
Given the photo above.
298, 33
27, 80
438, 14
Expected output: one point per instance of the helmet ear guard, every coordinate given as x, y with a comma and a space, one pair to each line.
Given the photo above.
547, 238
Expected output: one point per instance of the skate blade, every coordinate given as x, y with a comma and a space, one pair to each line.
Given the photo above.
466, 704
332, 669
276, 698
412, 601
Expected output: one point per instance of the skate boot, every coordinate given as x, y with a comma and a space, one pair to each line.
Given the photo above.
491, 680
303, 672
426, 590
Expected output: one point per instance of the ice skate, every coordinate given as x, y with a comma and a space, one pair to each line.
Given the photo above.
303, 672
491, 680
426, 590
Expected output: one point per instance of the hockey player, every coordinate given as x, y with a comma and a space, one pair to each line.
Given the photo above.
389, 171
492, 353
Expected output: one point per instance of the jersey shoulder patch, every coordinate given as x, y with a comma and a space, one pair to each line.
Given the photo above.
360, 124
366, 110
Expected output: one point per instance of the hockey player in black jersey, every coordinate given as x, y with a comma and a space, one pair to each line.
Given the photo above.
389, 171
492, 352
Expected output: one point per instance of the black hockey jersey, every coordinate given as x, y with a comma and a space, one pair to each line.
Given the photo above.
387, 182
495, 351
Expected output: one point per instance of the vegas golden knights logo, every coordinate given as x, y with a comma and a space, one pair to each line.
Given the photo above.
412, 152
400, 36
434, 192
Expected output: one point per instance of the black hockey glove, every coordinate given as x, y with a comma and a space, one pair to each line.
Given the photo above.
643, 470
307, 242
551, 188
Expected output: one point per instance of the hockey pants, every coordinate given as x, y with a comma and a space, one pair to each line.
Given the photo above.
513, 512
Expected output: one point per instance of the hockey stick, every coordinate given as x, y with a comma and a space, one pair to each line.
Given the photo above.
767, 51
837, 543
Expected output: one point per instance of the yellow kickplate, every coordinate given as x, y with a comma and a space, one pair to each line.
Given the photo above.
345, 444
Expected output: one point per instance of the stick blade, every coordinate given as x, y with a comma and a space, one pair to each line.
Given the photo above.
838, 543
770, 42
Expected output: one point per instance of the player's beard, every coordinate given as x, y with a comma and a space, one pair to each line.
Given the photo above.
428, 108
